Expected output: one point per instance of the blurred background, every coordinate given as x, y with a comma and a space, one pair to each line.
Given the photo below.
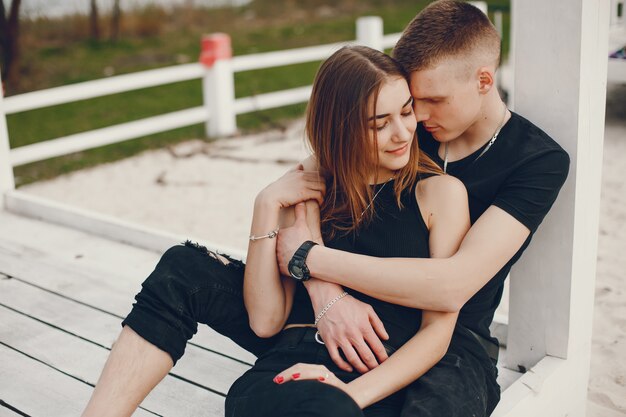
49, 43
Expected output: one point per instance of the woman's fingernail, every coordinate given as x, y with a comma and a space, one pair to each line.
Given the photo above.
295, 376
279, 379
321, 378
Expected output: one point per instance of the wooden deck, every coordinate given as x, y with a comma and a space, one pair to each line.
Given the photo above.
63, 294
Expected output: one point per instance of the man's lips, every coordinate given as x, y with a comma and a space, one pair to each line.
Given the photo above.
431, 128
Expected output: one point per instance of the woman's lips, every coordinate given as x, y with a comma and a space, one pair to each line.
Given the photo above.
400, 151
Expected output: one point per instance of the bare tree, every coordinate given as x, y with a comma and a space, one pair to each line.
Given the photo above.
93, 21
9, 42
115, 20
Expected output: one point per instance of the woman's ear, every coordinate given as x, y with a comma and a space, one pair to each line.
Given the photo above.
486, 80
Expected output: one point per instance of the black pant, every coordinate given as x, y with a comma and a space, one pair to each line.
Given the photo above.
191, 285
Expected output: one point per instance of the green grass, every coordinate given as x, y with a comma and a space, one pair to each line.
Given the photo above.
60, 63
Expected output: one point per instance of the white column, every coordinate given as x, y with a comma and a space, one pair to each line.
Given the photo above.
218, 85
560, 84
369, 31
7, 181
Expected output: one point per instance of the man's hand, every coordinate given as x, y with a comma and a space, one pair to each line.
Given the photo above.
350, 324
354, 327
289, 239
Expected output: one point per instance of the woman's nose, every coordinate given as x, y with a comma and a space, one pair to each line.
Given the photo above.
404, 130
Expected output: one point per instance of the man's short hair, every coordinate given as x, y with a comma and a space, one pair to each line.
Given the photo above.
448, 29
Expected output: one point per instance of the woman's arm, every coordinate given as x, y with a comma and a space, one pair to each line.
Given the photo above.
268, 296
443, 202
444, 207
350, 325
408, 363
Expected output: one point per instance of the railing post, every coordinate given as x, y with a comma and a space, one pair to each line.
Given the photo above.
369, 31
482, 5
7, 181
218, 85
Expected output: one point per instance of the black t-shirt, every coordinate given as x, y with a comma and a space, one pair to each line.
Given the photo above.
522, 174
393, 232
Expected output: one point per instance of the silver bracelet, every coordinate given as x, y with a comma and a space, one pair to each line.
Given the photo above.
270, 235
328, 306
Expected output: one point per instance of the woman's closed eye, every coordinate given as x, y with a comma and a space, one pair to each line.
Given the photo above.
382, 127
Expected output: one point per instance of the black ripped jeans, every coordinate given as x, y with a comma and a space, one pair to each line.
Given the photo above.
190, 285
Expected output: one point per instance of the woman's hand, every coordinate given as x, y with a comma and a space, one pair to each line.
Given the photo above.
297, 185
303, 371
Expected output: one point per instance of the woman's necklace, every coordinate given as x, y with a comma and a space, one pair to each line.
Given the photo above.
491, 141
375, 195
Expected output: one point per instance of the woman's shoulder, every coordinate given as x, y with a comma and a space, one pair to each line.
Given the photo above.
441, 193
441, 187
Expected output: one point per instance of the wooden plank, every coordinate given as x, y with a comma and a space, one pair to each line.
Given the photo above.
83, 267
198, 365
5, 411
92, 288
83, 360
39, 390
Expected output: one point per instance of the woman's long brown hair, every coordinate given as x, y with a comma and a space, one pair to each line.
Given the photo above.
345, 89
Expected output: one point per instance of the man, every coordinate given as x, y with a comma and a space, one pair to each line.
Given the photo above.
513, 172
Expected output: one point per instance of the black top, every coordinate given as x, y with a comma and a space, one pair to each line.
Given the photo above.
391, 233
522, 174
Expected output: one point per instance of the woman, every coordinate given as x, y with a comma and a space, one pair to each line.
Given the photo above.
382, 197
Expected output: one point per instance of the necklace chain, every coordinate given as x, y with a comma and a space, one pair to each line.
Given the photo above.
491, 141
375, 195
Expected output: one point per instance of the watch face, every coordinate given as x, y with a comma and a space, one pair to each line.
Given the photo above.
296, 271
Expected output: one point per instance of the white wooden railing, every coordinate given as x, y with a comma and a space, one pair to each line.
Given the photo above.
218, 112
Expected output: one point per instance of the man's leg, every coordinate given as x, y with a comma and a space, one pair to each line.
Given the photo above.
188, 286
460, 385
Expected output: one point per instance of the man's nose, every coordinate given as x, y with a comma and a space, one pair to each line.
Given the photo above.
421, 112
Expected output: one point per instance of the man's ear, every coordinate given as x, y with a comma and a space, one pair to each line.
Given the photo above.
486, 80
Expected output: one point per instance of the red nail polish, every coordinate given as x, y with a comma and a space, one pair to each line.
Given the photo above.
321, 378
295, 376
279, 379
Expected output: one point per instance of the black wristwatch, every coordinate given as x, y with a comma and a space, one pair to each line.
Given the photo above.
297, 265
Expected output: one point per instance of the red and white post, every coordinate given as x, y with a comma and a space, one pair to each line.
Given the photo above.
218, 85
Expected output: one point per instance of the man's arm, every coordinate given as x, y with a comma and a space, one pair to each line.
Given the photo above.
425, 283
446, 284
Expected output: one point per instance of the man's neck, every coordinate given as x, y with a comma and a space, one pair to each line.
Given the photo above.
492, 117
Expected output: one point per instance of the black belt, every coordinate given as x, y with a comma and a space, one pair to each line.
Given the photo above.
294, 335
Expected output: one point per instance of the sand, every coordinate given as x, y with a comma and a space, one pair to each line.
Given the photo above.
207, 190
